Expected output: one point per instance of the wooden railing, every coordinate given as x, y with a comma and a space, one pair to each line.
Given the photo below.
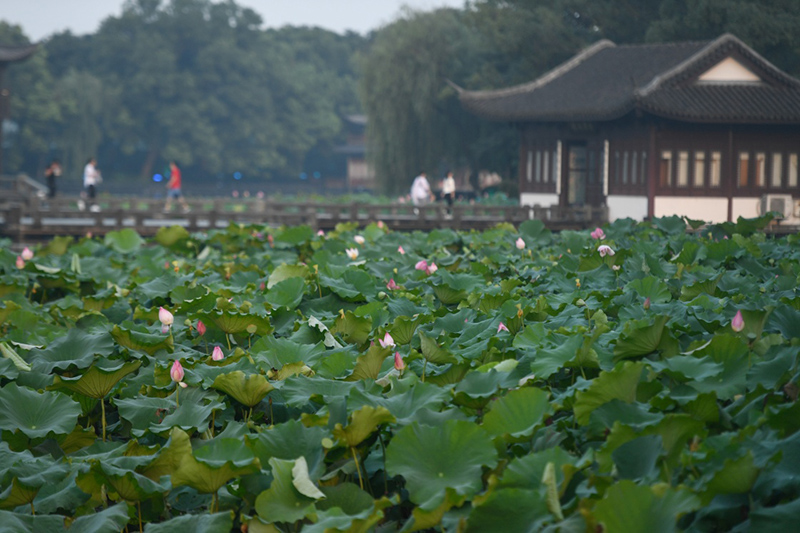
39, 218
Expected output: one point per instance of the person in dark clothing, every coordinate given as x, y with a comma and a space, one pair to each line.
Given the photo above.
51, 173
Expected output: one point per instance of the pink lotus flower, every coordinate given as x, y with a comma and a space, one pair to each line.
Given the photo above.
359, 239
166, 264
201, 328
216, 354
320, 233
605, 250
421, 265
391, 285
520, 244
501, 327
646, 303
271, 240
164, 329
27, 255
615, 267
262, 286
176, 372
386, 341
431, 269
381, 225
598, 234
399, 364
352, 253
401, 251
737, 324
20, 262
165, 316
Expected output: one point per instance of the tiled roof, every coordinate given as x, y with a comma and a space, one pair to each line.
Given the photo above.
16, 53
606, 81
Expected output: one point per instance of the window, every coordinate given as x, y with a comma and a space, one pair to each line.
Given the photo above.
633, 167
683, 168
715, 169
777, 169
529, 170
665, 169
744, 163
792, 170
538, 166
699, 169
761, 169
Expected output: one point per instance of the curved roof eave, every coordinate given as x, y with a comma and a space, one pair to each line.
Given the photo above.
9, 54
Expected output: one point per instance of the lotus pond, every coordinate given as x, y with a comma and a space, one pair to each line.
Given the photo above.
277, 380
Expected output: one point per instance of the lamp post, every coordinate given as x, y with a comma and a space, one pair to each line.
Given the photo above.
8, 55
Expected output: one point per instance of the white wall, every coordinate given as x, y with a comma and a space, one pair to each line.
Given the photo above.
540, 198
710, 209
634, 207
745, 207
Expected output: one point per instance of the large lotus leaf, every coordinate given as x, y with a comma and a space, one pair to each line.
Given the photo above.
653, 509
353, 328
196, 523
191, 414
433, 459
271, 352
28, 475
403, 328
778, 519
636, 459
518, 413
76, 349
287, 293
145, 342
37, 414
640, 337
784, 319
476, 389
368, 365
112, 519
169, 236
549, 361
26, 523
290, 440
124, 241
142, 411
510, 510
248, 390
345, 510
736, 476
527, 472
353, 284
363, 423
282, 502
433, 352
131, 486
651, 287
62, 495
406, 405
233, 322
298, 390
7, 308
214, 464
98, 381
284, 272
619, 384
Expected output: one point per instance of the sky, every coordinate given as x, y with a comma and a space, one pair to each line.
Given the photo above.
41, 18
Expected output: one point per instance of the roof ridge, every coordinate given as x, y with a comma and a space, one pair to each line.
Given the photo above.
542, 80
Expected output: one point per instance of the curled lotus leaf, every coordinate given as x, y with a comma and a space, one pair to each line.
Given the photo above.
98, 381
362, 423
149, 343
246, 389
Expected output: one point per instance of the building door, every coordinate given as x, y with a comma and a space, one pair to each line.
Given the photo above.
577, 174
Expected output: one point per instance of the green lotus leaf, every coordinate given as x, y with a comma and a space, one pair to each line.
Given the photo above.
476, 389
282, 502
407, 403
653, 509
518, 413
145, 342
248, 390
619, 384
13, 359
352, 284
76, 349
214, 464
285, 272
130, 485
271, 352
27, 475
353, 328
62, 495
549, 361
527, 472
169, 236
651, 287
636, 459
290, 440
191, 414
511, 510
142, 411
124, 241
7, 308
233, 322
98, 381
363, 423
302, 482
641, 338
25, 523
736, 476
114, 518
287, 293
778, 519
433, 352
37, 414
368, 365
196, 523
433, 459
403, 328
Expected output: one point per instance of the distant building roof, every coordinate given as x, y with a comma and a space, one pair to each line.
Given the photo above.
722, 80
9, 54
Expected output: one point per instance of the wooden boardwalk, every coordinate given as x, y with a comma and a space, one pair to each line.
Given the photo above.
42, 219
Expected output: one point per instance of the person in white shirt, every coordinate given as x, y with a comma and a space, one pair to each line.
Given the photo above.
421, 190
449, 191
91, 178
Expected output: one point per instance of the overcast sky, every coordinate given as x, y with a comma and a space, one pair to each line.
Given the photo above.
40, 18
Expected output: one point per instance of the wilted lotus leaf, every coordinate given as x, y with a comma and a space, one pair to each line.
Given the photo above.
434, 459
98, 381
37, 414
142, 341
362, 423
248, 390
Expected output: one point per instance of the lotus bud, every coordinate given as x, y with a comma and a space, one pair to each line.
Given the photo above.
646, 303
381, 225
20, 262
401, 251
501, 327
391, 285
421, 265
176, 372
320, 233
201, 328
359, 239
165, 316
386, 341
520, 244
217, 354
598, 234
737, 324
27, 255
399, 364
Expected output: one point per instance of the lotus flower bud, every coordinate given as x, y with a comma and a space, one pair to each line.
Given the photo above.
20, 262
201, 328
165, 316
737, 324
598, 234
176, 372
399, 364
421, 265
646, 303
359, 239
401, 251
216, 354
391, 285
27, 255
520, 244
386, 341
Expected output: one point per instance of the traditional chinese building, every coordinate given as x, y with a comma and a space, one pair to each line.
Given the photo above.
709, 130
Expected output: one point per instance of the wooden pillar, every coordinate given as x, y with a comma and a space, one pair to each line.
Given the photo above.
652, 178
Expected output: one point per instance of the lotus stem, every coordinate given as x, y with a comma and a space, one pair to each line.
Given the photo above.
33, 510
103, 417
177, 395
139, 509
213, 414
228, 338
358, 468
424, 366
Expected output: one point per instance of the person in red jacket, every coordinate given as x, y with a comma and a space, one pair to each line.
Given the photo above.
174, 188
